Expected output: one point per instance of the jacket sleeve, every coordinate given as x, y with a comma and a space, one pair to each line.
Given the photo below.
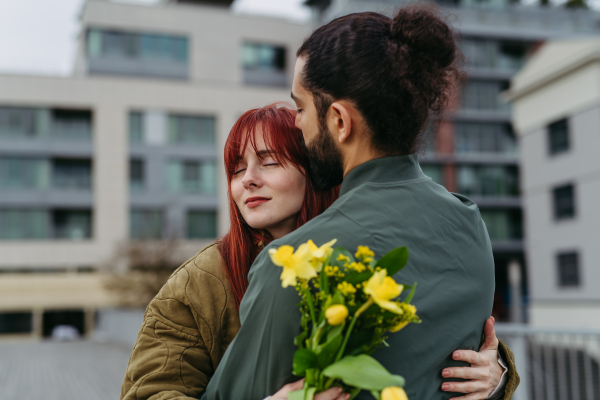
513, 376
171, 358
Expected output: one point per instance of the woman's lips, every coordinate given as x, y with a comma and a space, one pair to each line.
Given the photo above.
253, 202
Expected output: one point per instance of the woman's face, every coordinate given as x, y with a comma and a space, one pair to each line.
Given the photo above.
268, 195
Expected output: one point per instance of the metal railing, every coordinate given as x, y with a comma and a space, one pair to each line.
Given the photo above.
554, 364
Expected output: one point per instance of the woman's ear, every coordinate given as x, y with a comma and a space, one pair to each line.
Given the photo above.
341, 120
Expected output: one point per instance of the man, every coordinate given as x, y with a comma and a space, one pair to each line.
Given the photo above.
365, 86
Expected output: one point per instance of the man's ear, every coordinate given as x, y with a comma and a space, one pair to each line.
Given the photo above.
341, 120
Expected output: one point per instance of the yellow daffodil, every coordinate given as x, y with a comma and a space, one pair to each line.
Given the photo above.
320, 254
382, 289
364, 251
393, 393
296, 264
336, 314
399, 326
409, 315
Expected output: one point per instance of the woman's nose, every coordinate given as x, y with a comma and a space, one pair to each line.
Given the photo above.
251, 178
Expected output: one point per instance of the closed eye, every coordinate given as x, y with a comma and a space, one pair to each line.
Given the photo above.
238, 171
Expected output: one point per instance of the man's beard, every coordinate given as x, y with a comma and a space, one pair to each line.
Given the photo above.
326, 167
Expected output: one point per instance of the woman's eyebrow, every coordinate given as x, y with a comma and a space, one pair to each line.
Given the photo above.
262, 153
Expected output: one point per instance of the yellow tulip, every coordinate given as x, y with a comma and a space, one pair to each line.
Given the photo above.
393, 393
336, 314
296, 264
382, 289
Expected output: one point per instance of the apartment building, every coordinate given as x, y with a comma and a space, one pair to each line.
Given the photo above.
129, 147
475, 151
556, 100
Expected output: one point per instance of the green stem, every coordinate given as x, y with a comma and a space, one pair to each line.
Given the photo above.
356, 315
312, 307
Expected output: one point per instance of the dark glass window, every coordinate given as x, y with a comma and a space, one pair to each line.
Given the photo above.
568, 269
136, 127
503, 225
264, 64
17, 122
72, 174
17, 173
146, 224
192, 129
19, 224
72, 224
484, 95
201, 224
52, 319
558, 136
136, 175
484, 138
564, 202
71, 124
491, 181
15, 322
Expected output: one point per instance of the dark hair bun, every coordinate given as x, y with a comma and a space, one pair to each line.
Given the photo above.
425, 33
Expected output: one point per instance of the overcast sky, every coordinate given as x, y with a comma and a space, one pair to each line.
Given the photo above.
38, 36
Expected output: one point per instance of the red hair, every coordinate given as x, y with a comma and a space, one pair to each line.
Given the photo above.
240, 246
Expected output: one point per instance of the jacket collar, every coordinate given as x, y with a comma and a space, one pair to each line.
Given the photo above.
383, 170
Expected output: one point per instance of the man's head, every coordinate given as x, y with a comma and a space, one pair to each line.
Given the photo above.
371, 82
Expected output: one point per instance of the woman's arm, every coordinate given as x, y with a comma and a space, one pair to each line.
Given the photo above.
186, 329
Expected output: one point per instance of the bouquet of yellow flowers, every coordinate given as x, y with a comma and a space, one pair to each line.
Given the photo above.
349, 303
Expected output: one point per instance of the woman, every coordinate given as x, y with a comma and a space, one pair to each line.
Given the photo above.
191, 321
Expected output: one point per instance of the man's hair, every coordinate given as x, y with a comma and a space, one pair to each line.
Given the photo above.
397, 72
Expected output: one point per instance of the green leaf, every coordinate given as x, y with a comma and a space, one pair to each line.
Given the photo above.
354, 277
337, 298
306, 393
299, 340
335, 331
364, 372
394, 261
411, 294
326, 352
354, 392
375, 394
303, 359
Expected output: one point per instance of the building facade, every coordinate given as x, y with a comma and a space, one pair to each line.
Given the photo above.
556, 100
475, 151
129, 147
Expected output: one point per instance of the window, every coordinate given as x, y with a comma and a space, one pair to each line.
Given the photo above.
568, 269
484, 95
146, 224
17, 122
23, 224
72, 174
503, 225
493, 54
18, 173
434, 172
71, 124
16, 322
72, 224
558, 137
201, 224
132, 45
564, 202
484, 138
190, 129
192, 176
263, 64
136, 175
491, 181
136, 127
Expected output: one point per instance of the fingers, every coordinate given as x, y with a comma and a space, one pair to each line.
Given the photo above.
491, 341
470, 356
286, 389
466, 373
295, 385
334, 393
472, 387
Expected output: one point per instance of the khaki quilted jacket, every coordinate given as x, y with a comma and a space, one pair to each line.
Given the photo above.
187, 328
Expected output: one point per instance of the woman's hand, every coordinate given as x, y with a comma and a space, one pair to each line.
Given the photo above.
484, 374
334, 393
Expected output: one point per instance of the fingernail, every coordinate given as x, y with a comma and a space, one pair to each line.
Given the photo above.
456, 355
346, 396
338, 390
445, 386
445, 373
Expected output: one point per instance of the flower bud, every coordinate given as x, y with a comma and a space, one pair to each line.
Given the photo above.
393, 393
336, 314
